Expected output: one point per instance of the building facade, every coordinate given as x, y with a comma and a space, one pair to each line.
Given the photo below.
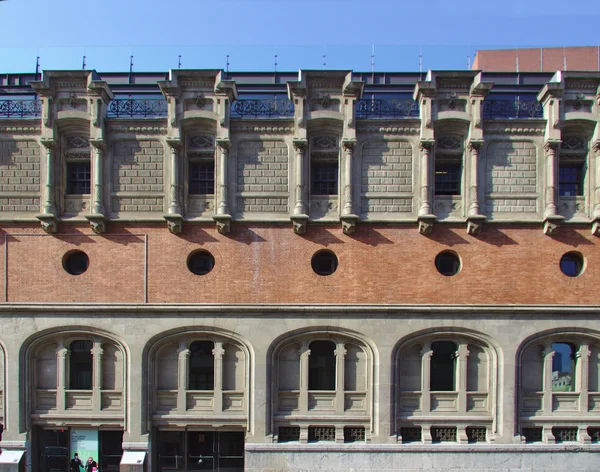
326, 270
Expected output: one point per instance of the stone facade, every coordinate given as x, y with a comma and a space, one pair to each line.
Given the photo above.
339, 272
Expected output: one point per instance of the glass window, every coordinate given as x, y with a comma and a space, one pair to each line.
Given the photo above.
563, 367
447, 178
321, 366
80, 365
201, 178
324, 178
201, 366
78, 178
570, 180
443, 367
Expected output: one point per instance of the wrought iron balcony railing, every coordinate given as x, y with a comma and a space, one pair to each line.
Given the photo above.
272, 108
137, 108
387, 108
512, 109
20, 108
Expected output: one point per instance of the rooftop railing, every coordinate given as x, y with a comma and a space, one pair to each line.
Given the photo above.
137, 108
513, 108
20, 108
387, 108
263, 108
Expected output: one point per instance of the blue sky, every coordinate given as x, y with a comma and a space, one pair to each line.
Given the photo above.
443, 32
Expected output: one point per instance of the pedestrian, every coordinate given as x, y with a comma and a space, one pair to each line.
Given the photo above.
91, 465
76, 463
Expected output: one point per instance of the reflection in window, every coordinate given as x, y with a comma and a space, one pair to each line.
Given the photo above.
321, 366
570, 180
443, 366
201, 366
80, 365
563, 367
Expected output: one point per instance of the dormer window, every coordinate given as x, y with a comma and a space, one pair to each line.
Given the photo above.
324, 165
448, 165
78, 174
571, 169
200, 152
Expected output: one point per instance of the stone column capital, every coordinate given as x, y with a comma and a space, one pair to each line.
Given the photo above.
475, 145
349, 145
98, 144
174, 143
224, 144
48, 143
551, 146
426, 145
300, 145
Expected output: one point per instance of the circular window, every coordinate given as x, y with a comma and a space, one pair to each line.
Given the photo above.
200, 262
324, 262
571, 264
447, 263
76, 262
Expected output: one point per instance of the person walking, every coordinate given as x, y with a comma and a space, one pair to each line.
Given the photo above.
91, 465
75, 464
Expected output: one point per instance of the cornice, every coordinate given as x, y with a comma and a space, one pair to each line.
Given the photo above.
292, 310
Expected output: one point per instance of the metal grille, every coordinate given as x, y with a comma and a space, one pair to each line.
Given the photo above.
288, 433
274, 108
354, 434
512, 108
476, 435
202, 178
411, 434
20, 108
154, 107
443, 434
565, 434
594, 434
321, 433
386, 108
532, 434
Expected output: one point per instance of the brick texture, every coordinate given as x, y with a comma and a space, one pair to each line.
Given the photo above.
538, 59
387, 166
511, 168
138, 166
268, 263
19, 173
262, 167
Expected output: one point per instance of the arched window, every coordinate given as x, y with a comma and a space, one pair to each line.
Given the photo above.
448, 379
319, 378
201, 372
81, 365
443, 366
321, 366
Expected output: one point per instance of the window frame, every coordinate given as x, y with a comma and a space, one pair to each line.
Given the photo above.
75, 382
199, 384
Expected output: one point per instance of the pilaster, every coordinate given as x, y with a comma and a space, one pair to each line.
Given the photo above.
222, 216
218, 353
425, 217
48, 217
462, 354
348, 216
426, 354
551, 217
97, 218
340, 359
303, 399
475, 219
183, 355
97, 352
174, 217
299, 216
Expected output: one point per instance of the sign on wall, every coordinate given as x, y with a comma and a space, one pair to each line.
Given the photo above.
85, 443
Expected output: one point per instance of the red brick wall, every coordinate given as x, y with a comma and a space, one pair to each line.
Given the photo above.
269, 264
537, 59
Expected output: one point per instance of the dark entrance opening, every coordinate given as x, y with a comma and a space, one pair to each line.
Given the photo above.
189, 451
53, 450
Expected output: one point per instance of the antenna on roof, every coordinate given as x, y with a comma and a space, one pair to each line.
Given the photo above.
324, 56
130, 68
227, 67
420, 65
373, 59
37, 66
83, 64
275, 62
179, 62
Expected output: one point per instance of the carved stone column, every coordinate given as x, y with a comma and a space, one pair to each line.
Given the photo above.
173, 216
582, 377
547, 355
97, 352
97, 218
303, 398
348, 217
299, 216
426, 354
474, 219
222, 216
218, 353
551, 217
62, 353
596, 223
48, 216
183, 356
425, 217
461, 381
340, 361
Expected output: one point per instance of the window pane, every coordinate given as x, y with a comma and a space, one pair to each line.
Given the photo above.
80, 365
447, 178
443, 366
563, 367
78, 178
570, 180
324, 178
201, 366
321, 366
202, 178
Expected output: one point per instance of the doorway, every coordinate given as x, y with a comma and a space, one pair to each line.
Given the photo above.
189, 451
